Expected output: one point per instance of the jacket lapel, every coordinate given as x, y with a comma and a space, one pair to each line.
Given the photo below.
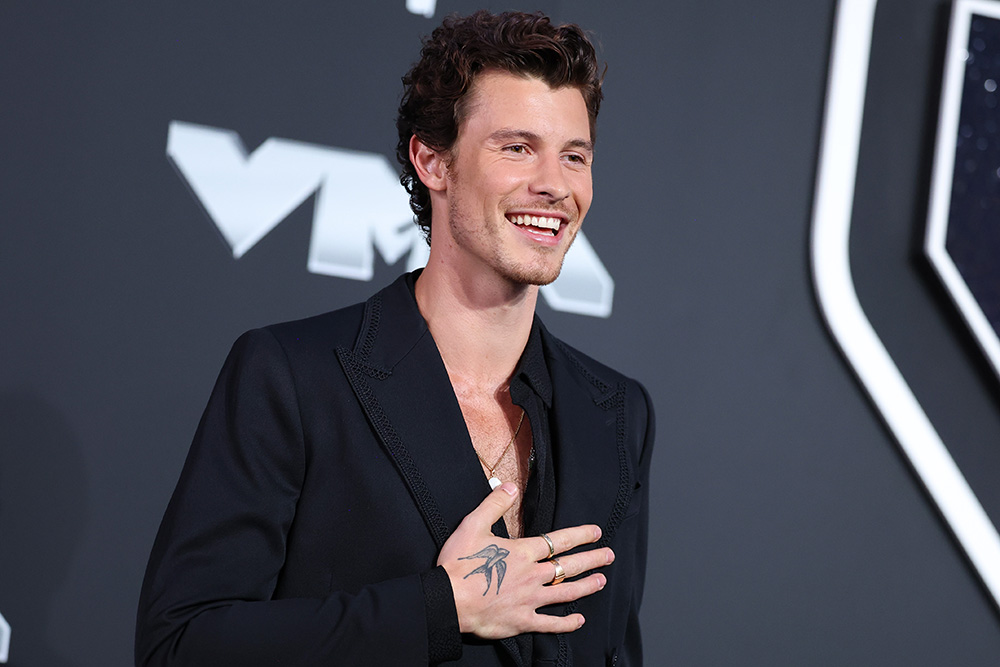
401, 382
594, 477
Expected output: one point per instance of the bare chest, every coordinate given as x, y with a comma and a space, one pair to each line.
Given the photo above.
501, 436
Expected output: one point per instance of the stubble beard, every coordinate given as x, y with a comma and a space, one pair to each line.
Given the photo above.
486, 236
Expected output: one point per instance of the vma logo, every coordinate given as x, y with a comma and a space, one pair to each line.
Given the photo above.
360, 209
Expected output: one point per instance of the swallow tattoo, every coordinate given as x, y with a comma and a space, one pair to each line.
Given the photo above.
494, 556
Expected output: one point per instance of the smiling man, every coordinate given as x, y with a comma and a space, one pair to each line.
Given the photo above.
428, 477
515, 184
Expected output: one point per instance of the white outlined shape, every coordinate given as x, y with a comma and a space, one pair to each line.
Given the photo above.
941, 180
423, 7
4, 639
359, 204
831, 226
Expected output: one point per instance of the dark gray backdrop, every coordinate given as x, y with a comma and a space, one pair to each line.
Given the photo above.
787, 529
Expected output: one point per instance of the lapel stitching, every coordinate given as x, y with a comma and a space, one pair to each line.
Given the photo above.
601, 385
616, 400
369, 326
609, 397
356, 367
366, 340
624, 496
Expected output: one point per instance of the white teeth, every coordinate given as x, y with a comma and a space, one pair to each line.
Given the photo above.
537, 221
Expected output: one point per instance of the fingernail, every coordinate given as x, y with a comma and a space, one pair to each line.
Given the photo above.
597, 533
602, 581
611, 556
510, 488
582, 621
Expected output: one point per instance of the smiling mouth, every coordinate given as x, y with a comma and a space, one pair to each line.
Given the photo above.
542, 224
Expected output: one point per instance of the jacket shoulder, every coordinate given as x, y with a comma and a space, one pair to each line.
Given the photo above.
602, 382
600, 376
337, 328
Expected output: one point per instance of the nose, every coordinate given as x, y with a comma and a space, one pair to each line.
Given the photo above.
549, 180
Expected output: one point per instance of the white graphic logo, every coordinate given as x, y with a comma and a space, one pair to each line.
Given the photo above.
831, 228
360, 207
4, 639
422, 7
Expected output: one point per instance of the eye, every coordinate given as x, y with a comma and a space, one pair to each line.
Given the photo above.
517, 149
576, 158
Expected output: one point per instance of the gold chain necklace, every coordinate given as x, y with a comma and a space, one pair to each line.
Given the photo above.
494, 480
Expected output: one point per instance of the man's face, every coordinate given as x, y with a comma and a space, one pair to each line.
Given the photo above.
519, 180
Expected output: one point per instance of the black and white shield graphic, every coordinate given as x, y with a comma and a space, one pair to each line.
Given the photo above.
859, 188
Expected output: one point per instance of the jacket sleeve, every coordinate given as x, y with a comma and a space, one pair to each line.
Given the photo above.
207, 595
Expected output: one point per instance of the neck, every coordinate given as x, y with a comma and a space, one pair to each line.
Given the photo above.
481, 326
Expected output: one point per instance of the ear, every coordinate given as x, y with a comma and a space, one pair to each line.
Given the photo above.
430, 165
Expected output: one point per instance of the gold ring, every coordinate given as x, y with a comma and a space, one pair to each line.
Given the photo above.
552, 548
560, 572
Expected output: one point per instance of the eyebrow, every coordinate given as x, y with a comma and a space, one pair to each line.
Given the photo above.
507, 134
582, 144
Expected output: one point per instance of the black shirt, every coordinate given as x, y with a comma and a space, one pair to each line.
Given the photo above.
531, 390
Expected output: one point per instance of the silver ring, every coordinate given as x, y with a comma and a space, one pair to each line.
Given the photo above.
560, 572
552, 548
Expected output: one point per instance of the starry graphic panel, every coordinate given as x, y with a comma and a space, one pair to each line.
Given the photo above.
964, 229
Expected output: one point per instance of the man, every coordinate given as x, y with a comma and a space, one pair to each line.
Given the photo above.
332, 511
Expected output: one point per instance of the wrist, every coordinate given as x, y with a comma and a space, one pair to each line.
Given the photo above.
444, 641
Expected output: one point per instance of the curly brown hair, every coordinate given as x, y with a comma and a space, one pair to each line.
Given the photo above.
435, 89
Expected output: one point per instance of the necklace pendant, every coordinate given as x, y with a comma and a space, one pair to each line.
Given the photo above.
495, 482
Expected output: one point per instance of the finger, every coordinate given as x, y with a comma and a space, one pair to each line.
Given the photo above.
493, 507
576, 564
554, 624
573, 590
565, 539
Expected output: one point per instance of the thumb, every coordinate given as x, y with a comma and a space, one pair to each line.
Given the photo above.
493, 506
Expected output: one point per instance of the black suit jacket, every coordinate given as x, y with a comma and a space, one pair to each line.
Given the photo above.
331, 464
